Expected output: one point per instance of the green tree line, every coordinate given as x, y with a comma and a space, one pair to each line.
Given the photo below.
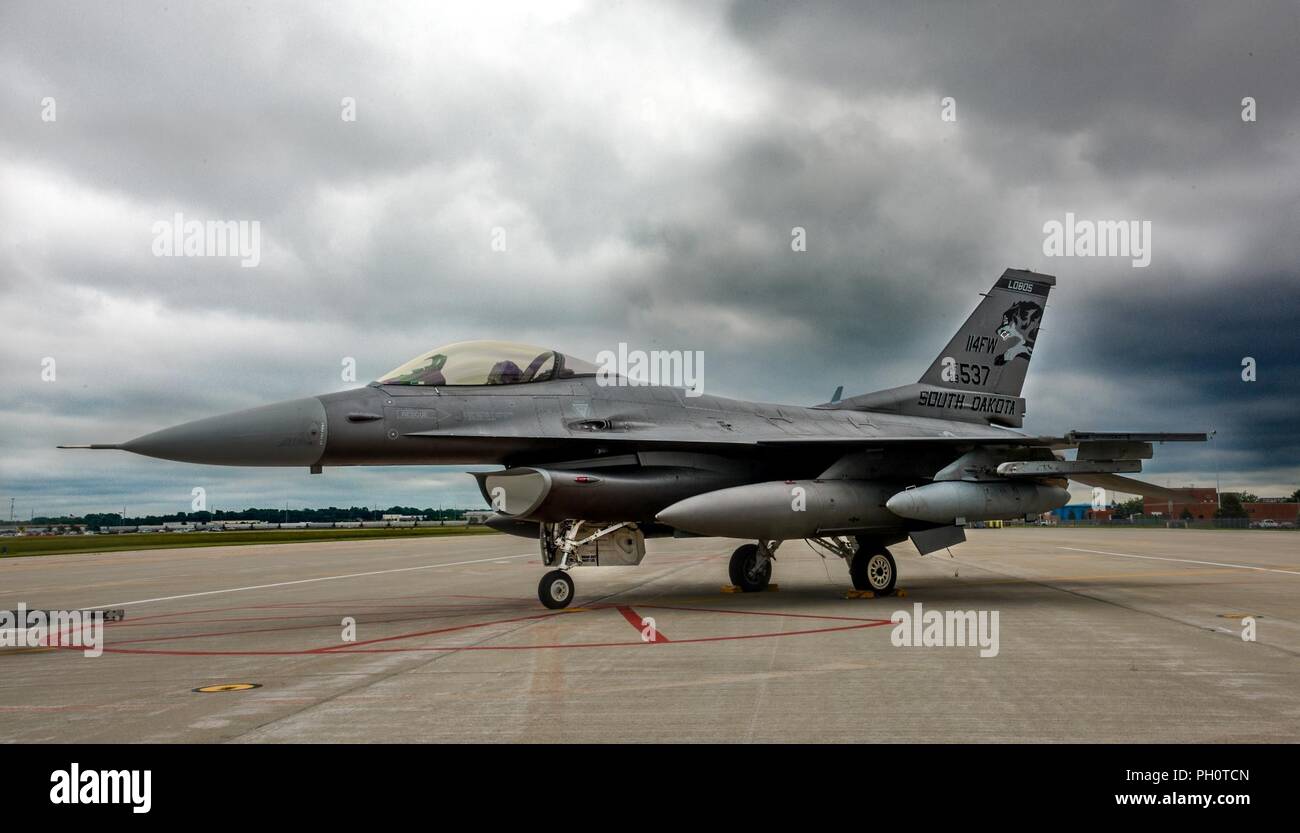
95, 520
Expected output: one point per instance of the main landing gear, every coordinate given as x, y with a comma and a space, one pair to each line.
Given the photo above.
871, 566
751, 566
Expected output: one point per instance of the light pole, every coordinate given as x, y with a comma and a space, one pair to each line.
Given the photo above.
1218, 499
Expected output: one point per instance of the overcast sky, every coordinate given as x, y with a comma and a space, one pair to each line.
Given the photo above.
647, 162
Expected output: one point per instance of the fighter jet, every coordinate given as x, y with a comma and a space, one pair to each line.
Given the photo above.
594, 463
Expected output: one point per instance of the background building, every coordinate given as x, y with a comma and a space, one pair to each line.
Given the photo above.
1273, 510
1201, 503
1079, 512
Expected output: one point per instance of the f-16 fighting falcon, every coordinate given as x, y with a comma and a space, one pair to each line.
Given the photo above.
594, 463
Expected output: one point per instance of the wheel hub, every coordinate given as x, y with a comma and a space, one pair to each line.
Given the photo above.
878, 570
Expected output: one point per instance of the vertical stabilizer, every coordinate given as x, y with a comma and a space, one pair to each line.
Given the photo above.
992, 350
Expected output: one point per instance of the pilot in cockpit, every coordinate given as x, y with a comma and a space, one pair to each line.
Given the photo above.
504, 373
430, 374
508, 373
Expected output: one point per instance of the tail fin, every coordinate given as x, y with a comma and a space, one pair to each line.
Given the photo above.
991, 351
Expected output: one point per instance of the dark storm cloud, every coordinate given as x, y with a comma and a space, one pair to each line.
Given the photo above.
1113, 69
648, 163
1179, 365
1122, 105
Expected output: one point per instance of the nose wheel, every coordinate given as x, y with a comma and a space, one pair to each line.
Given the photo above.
555, 589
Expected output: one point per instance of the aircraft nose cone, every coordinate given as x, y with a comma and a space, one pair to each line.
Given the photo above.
288, 433
684, 514
724, 512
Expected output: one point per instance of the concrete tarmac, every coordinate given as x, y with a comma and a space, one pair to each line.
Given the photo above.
1103, 635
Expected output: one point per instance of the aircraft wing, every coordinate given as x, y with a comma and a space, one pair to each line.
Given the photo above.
953, 439
1097, 445
1094, 444
693, 438
1128, 486
1102, 454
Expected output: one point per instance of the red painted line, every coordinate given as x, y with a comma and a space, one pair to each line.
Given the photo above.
323, 603
555, 646
329, 649
630, 644
634, 619
767, 613
331, 625
434, 610
628, 613
426, 612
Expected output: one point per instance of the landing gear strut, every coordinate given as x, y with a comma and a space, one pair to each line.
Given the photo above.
569, 544
751, 566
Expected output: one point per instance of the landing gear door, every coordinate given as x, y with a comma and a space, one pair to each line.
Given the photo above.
622, 548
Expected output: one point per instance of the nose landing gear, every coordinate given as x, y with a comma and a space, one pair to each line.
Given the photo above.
555, 589
570, 544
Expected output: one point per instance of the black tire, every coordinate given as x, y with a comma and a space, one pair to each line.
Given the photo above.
744, 572
873, 569
555, 589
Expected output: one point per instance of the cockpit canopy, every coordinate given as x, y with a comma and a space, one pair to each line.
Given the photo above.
486, 363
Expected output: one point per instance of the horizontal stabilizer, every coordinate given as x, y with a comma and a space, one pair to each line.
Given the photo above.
1128, 486
1075, 437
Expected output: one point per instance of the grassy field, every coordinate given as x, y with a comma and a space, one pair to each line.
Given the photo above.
49, 545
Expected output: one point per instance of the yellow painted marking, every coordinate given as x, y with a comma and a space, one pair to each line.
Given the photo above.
213, 689
869, 594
